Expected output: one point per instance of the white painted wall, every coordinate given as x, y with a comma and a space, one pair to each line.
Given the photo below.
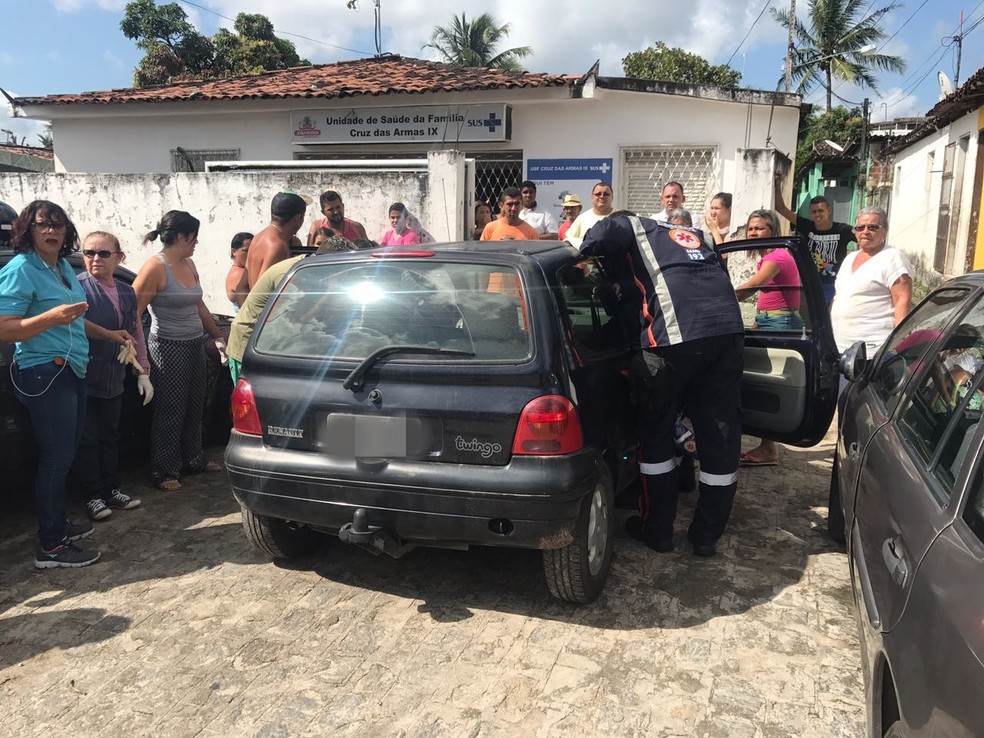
914, 210
546, 124
228, 202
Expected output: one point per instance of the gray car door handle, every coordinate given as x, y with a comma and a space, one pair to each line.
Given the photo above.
893, 553
853, 451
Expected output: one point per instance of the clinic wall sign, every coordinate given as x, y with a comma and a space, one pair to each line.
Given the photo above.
419, 124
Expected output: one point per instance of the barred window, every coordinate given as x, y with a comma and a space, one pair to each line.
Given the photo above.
646, 170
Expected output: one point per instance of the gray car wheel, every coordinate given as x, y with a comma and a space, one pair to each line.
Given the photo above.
280, 539
578, 572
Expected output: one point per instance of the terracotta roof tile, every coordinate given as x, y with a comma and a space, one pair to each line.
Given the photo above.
373, 76
35, 151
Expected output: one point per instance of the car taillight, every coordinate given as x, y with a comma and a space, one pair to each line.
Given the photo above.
548, 425
245, 419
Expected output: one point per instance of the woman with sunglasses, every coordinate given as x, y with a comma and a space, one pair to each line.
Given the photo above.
42, 311
112, 305
873, 292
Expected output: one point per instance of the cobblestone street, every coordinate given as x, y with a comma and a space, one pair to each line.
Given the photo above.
183, 630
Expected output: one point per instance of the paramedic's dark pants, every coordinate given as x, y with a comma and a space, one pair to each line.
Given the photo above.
705, 377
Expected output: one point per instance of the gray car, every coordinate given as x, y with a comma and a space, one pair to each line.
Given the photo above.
907, 495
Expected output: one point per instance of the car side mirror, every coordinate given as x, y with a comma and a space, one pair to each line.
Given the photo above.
853, 362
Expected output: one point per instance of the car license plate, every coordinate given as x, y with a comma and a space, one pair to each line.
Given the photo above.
370, 436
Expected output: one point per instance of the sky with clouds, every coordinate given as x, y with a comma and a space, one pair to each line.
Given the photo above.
67, 46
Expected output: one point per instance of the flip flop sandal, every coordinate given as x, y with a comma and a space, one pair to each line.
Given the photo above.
169, 485
748, 459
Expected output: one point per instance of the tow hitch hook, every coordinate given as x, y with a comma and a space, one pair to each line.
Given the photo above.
373, 538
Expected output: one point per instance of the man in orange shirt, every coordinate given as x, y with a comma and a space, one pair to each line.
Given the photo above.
509, 226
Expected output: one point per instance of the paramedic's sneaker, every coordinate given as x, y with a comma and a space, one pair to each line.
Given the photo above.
67, 555
119, 501
77, 531
97, 509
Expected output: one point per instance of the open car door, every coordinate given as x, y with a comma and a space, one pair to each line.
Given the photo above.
790, 382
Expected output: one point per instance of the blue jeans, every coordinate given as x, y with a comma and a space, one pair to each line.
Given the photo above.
786, 321
57, 412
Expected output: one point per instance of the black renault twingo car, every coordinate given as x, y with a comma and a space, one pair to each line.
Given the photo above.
470, 393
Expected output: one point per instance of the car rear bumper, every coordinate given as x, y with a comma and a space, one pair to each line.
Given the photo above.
427, 503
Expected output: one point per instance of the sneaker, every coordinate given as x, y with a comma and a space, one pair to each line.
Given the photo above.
67, 555
77, 531
97, 509
119, 501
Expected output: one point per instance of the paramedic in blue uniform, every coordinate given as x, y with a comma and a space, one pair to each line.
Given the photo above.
691, 335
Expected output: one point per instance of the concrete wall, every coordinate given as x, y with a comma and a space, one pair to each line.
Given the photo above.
915, 207
228, 202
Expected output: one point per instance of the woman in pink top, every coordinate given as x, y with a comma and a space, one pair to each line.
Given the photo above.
400, 234
777, 281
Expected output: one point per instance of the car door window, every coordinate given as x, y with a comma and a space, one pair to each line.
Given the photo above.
903, 356
599, 322
973, 513
776, 305
940, 416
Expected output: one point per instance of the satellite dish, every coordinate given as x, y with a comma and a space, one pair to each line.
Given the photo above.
946, 86
834, 145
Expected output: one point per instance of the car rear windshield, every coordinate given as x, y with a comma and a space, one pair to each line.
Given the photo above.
345, 310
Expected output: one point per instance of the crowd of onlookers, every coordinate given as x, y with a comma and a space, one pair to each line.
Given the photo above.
76, 335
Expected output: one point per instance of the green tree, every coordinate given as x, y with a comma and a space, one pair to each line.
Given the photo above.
175, 50
661, 62
831, 47
839, 125
46, 138
473, 43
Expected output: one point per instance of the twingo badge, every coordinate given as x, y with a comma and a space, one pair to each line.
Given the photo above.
276, 430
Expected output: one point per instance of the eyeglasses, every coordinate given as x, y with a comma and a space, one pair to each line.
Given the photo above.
101, 254
47, 225
874, 227
601, 194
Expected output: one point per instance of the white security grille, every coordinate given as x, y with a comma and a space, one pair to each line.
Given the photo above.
646, 170
193, 160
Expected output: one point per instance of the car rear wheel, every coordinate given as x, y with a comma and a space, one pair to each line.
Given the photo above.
280, 539
578, 572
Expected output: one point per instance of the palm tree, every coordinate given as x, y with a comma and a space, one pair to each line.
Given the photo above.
836, 45
472, 43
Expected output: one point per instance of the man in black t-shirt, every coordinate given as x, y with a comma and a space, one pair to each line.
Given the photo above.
826, 239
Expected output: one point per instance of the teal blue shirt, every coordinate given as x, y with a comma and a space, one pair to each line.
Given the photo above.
29, 287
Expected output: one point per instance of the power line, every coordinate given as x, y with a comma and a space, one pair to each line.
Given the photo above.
757, 19
899, 29
281, 33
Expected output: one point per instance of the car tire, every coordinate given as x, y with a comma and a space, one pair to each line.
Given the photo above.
280, 539
895, 730
578, 572
835, 512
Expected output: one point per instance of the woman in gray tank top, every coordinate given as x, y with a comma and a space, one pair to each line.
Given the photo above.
168, 285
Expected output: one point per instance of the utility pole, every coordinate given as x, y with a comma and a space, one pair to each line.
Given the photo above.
959, 38
790, 48
863, 178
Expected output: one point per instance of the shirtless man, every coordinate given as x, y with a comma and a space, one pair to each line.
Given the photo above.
334, 212
272, 244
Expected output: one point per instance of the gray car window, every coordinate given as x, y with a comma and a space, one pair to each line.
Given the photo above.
340, 309
908, 345
973, 513
939, 418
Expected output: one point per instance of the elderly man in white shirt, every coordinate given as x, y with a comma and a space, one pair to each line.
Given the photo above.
542, 220
672, 198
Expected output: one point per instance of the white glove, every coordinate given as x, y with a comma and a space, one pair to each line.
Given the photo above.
144, 388
221, 347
